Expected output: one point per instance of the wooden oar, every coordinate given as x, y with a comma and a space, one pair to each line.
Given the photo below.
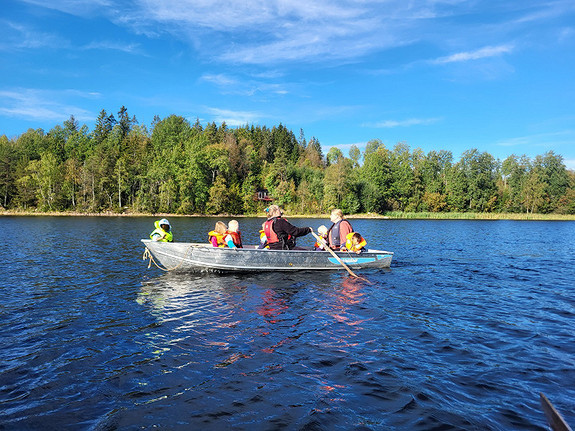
555, 420
327, 247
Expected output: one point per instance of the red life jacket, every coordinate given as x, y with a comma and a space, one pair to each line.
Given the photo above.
236, 238
274, 238
270, 233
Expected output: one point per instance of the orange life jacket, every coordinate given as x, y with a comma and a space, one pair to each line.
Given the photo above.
349, 244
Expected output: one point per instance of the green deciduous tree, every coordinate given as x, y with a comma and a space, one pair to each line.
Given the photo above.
377, 178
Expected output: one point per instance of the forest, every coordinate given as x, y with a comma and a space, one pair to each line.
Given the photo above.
177, 167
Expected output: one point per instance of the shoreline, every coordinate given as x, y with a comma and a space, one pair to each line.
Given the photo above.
389, 216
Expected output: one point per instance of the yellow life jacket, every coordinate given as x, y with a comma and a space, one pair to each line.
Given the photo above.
350, 246
166, 236
220, 238
263, 238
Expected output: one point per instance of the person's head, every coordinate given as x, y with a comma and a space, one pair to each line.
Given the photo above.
322, 230
274, 211
165, 224
356, 238
220, 227
233, 226
336, 215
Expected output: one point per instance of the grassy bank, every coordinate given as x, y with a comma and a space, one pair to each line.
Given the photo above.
477, 216
388, 215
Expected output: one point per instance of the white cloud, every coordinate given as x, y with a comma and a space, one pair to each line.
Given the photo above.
42, 105
388, 124
75, 7
570, 164
566, 34
488, 51
19, 36
245, 87
272, 32
129, 48
543, 142
276, 31
219, 79
233, 118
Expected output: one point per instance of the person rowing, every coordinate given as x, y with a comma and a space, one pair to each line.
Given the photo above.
281, 234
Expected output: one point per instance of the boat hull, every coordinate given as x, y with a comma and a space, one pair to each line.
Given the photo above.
182, 256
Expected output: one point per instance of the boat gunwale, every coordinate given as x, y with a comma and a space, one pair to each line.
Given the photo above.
262, 250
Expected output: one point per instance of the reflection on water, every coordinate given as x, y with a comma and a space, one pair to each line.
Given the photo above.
469, 324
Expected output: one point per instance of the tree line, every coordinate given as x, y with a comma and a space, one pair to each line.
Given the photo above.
183, 168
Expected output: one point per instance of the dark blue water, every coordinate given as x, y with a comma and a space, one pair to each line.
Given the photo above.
471, 322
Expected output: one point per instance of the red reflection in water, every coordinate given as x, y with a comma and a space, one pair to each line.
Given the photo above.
271, 307
351, 293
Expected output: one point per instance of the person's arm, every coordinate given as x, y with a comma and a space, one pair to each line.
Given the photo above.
157, 236
344, 229
214, 241
291, 229
229, 241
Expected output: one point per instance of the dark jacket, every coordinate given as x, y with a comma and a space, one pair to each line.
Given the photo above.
284, 229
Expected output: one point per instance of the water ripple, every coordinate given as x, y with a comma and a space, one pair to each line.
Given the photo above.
469, 324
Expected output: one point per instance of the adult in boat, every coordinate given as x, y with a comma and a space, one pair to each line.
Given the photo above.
163, 231
337, 233
280, 233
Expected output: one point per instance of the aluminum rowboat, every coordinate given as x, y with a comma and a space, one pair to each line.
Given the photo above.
185, 256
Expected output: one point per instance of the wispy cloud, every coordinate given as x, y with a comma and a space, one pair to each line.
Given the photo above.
566, 34
75, 7
41, 105
274, 32
389, 124
488, 51
570, 164
128, 48
18, 36
344, 147
247, 87
220, 79
544, 141
233, 118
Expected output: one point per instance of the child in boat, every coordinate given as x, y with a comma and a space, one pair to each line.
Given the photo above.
263, 238
233, 236
163, 231
354, 242
322, 233
216, 236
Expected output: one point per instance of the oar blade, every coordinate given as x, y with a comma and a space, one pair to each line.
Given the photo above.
556, 421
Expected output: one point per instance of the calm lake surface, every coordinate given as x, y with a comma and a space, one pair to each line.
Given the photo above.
471, 322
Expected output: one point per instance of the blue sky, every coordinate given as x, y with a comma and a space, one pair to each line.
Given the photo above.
498, 76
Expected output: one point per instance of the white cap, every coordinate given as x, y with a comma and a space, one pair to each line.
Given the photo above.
164, 221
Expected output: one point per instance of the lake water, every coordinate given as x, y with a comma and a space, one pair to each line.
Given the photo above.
471, 322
